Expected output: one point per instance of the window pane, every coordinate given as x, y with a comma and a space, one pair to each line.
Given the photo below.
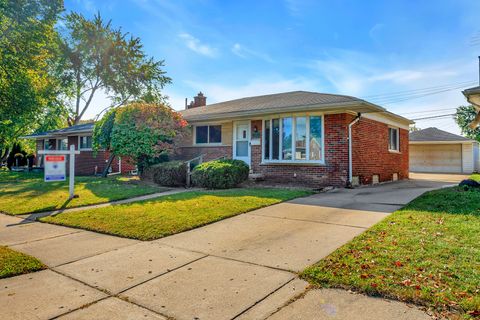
201, 134
86, 142
266, 143
215, 134
242, 149
63, 144
275, 138
393, 139
287, 139
301, 138
315, 143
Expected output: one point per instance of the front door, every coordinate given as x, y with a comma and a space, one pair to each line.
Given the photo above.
241, 141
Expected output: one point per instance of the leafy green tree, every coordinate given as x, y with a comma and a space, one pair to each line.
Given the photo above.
28, 60
139, 131
103, 58
464, 117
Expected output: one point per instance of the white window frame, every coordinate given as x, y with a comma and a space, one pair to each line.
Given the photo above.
398, 139
294, 125
208, 143
79, 144
59, 142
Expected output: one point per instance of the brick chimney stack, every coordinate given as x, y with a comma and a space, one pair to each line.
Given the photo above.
198, 101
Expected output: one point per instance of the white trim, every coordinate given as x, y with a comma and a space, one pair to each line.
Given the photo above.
249, 137
381, 117
442, 142
79, 144
398, 139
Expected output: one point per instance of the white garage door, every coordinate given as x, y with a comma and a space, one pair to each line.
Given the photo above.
436, 158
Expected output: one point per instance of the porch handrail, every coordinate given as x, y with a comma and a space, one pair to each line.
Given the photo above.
189, 168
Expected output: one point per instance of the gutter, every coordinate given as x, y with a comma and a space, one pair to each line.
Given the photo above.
350, 125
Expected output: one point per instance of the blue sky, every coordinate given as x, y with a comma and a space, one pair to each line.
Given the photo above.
233, 49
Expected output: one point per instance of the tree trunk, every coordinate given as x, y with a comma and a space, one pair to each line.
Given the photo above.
109, 163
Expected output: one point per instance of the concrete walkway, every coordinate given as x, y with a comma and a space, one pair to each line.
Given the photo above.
239, 268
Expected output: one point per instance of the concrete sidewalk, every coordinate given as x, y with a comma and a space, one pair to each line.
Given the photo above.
239, 268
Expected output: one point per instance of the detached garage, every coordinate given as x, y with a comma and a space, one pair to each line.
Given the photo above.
434, 150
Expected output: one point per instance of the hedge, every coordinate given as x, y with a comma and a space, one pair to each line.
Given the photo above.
169, 174
220, 174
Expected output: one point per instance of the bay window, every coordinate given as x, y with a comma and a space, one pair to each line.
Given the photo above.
293, 139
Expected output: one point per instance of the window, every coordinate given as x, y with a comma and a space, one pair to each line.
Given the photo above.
47, 145
85, 143
393, 139
62, 144
208, 134
293, 139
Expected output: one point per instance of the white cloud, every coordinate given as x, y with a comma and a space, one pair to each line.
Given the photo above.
195, 45
244, 52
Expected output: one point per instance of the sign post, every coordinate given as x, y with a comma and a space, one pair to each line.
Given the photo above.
55, 166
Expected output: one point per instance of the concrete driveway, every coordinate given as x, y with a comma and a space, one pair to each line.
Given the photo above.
239, 268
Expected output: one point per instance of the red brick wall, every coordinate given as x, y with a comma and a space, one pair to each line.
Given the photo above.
209, 153
371, 155
86, 161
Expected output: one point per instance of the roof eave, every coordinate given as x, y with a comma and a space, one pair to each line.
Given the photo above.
357, 106
440, 141
56, 134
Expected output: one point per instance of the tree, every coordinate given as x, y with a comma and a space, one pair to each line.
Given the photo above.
139, 131
463, 117
102, 58
28, 60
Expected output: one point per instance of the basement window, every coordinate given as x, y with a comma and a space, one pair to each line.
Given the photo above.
393, 139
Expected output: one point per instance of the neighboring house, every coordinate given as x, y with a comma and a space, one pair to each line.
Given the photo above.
86, 163
434, 150
301, 137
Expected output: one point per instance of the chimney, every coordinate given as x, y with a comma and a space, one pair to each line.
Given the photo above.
198, 101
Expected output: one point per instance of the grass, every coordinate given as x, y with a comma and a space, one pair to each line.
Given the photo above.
426, 253
14, 263
167, 215
22, 193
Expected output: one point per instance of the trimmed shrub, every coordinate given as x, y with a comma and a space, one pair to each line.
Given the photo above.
220, 174
169, 174
469, 184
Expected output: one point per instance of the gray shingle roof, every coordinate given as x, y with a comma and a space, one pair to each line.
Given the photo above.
434, 134
271, 102
86, 127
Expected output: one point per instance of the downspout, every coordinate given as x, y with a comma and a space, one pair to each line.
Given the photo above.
357, 118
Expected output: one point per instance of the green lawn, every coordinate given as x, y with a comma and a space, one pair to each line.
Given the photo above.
27, 192
426, 253
153, 219
14, 263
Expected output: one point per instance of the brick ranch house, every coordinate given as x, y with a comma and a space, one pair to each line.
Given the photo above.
86, 163
297, 137
301, 137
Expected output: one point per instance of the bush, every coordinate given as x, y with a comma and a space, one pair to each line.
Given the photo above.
169, 174
220, 174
